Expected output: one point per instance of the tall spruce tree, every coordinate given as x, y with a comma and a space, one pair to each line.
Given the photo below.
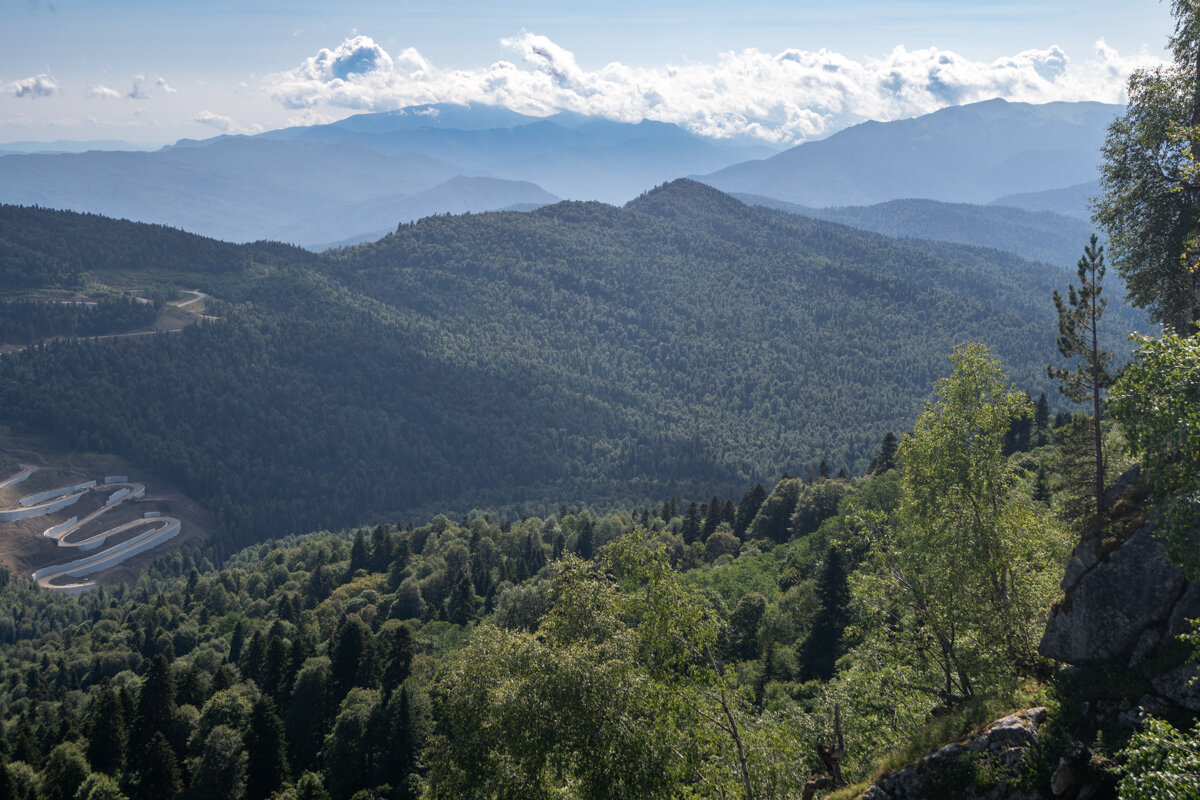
265, 751
158, 772
155, 706
819, 651
108, 735
1078, 326
887, 455
747, 508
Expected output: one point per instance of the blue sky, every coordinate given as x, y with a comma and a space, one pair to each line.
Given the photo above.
780, 71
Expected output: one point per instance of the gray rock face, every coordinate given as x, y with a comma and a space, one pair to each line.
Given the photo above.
1181, 686
1111, 604
1005, 740
1188, 608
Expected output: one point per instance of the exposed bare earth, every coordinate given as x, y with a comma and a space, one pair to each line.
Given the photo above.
24, 548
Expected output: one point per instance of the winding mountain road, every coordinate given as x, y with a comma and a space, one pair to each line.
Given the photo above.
54, 577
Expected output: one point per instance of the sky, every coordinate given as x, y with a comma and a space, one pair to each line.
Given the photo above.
779, 72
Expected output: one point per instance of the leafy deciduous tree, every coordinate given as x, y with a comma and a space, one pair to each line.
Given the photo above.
1150, 203
1157, 402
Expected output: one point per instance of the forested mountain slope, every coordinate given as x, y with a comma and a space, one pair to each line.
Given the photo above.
681, 344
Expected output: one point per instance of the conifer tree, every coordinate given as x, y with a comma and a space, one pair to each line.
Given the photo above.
354, 658
1041, 418
460, 606
887, 455
691, 523
747, 508
108, 735
819, 652
360, 554
585, 543
399, 659
158, 771
155, 705
265, 752
1078, 324
275, 668
402, 755
254, 656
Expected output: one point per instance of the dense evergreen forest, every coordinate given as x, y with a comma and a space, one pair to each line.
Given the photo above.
25, 321
681, 345
364, 664
706, 648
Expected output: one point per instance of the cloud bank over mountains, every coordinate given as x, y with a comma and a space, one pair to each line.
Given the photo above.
785, 98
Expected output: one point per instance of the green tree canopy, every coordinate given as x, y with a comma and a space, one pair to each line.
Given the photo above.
1157, 401
1150, 201
969, 567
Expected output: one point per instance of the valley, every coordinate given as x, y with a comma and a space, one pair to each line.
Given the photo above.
411, 505
682, 343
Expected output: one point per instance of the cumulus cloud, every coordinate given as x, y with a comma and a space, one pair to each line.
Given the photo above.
223, 123
42, 85
102, 92
782, 97
140, 91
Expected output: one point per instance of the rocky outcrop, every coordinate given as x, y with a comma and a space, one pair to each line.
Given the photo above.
1118, 606
999, 751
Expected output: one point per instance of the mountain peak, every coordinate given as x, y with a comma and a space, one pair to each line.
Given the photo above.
685, 197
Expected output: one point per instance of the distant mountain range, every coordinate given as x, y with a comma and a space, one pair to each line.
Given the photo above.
70, 146
965, 154
1034, 235
1073, 201
355, 179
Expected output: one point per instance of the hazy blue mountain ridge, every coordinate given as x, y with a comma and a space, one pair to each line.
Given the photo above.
962, 154
367, 173
1033, 235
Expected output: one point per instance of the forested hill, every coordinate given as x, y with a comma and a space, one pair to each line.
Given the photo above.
43, 247
683, 344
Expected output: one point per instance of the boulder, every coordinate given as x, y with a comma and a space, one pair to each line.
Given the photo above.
1006, 741
1108, 607
1181, 686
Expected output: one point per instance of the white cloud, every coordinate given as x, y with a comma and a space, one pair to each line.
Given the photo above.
784, 97
138, 92
141, 92
223, 123
42, 85
102, 92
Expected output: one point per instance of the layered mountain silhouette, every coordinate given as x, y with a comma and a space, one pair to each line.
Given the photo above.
356, 178
964, 154
1035, 235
